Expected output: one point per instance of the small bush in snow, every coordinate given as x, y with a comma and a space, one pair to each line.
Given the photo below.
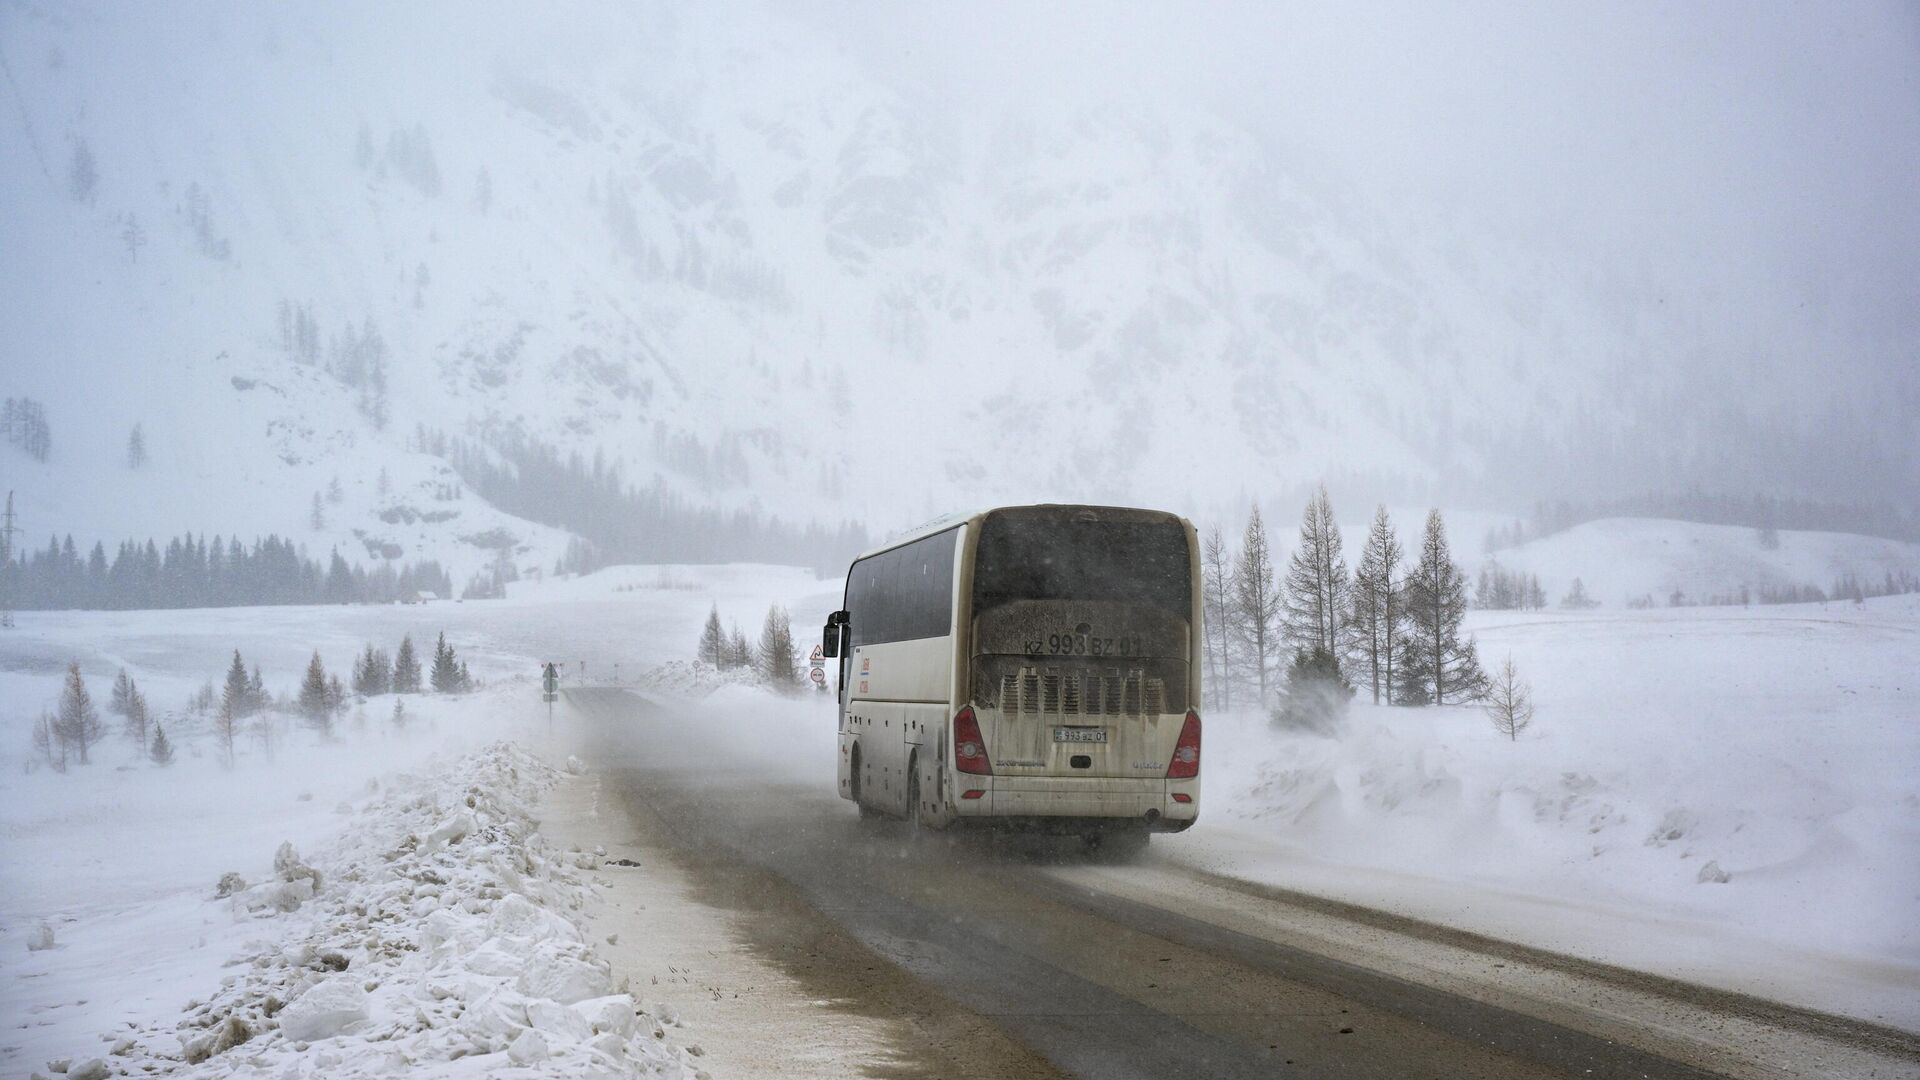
160, 752
1509, 702
1316, 695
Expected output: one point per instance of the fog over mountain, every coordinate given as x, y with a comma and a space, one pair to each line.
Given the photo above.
850, 261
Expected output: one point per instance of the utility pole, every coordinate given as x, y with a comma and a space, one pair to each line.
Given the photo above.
7, 529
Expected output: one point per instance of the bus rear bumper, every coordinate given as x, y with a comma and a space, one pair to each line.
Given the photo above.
1041, 799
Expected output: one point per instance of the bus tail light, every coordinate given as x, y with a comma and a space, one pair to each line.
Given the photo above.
1186, 752
969, 749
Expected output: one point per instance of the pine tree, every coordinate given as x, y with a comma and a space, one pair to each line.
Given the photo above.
1316, 598
713, 640
257, 691
137, 716
406, 668
372, 673
237, 696
399, 717
1216, 589
136, 449
121, 695
778, 664
133, 236
1436, 606
445, 675
1509, 702
317, 516
739, 653
78, 723
1377, 614
336, 698
48, 743
465, 680
313, 692
161, 750
226, 725
1577, 598
1256, 601
1413, 681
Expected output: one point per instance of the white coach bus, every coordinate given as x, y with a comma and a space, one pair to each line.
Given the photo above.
1033, 667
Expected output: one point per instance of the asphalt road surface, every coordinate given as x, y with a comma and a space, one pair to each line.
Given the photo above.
1021, 957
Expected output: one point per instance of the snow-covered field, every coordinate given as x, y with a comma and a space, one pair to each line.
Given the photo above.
395, 910
120, 859
1619, 560
1773, 747
1776, 743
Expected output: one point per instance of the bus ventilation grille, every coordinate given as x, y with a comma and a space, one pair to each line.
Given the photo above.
1133, 693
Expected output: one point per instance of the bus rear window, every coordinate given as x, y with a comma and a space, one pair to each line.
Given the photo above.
1071, 553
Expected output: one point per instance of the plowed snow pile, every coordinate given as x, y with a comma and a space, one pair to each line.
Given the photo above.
436, 936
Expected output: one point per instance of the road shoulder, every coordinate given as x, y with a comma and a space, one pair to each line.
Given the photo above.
757, 982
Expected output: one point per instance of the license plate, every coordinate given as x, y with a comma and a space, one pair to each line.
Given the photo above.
1079, 734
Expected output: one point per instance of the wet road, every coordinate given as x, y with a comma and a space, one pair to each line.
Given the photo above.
1016, 956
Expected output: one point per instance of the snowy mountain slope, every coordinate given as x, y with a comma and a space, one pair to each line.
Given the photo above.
722, 255
243, 448
1620, 559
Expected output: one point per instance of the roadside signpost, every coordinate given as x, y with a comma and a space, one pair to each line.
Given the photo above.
818, 669
550, 688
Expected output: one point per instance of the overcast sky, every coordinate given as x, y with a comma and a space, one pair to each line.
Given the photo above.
1733, 148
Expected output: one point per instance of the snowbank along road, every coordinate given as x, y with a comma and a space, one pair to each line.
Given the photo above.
1016, 950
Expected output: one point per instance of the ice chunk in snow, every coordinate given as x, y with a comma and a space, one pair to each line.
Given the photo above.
515, 916
40, 938
448, 925
529, 1049
552, 974
559, 1021
230, 883
326, 1010
224, 1036
494, 959
493, 1016
288, 867
1711, 874
277, 895
450, 831
613, 1013
90, 1069
575, 765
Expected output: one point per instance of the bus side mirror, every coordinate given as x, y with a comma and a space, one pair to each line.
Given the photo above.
831, 635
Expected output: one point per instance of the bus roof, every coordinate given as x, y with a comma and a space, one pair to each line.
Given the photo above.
942, 524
